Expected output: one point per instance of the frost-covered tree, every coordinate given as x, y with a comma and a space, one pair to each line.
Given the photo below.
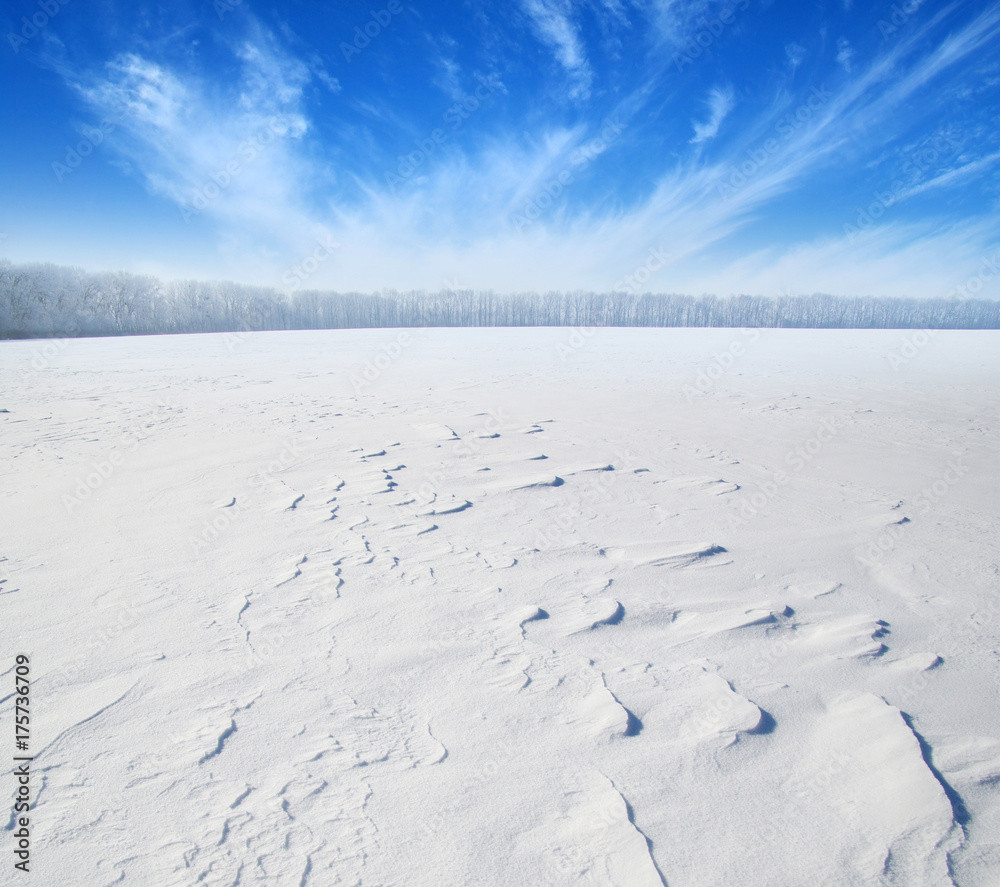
50, 300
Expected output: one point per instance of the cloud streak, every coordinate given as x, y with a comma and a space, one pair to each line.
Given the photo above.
695, 199
233, 156
554, 26
720, 103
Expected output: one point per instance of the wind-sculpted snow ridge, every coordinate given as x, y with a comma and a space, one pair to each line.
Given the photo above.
903, 824
593, 840
660, 554
485, 622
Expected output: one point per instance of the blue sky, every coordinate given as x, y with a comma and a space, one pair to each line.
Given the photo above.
662, 145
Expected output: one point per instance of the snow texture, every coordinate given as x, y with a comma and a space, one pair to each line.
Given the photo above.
504, 612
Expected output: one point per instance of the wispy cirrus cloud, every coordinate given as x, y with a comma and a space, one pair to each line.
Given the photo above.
687, 210
795, 54
845, 54
896, 259
675, 20
720, 103
592, 221
953, 176
228, 154
553, 24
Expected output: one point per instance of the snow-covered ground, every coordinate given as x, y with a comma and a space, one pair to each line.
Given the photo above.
506, 607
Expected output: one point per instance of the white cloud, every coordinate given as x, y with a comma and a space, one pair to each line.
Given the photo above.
686, 212
720, 103
438, 234
795, 54
845, 55
675, 20
227, 154
455, 223
952, 176
448, 80
896, 260
554, 26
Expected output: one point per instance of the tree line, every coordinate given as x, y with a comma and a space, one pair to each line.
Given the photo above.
46, 300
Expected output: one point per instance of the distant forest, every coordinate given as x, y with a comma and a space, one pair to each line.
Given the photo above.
44, 300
